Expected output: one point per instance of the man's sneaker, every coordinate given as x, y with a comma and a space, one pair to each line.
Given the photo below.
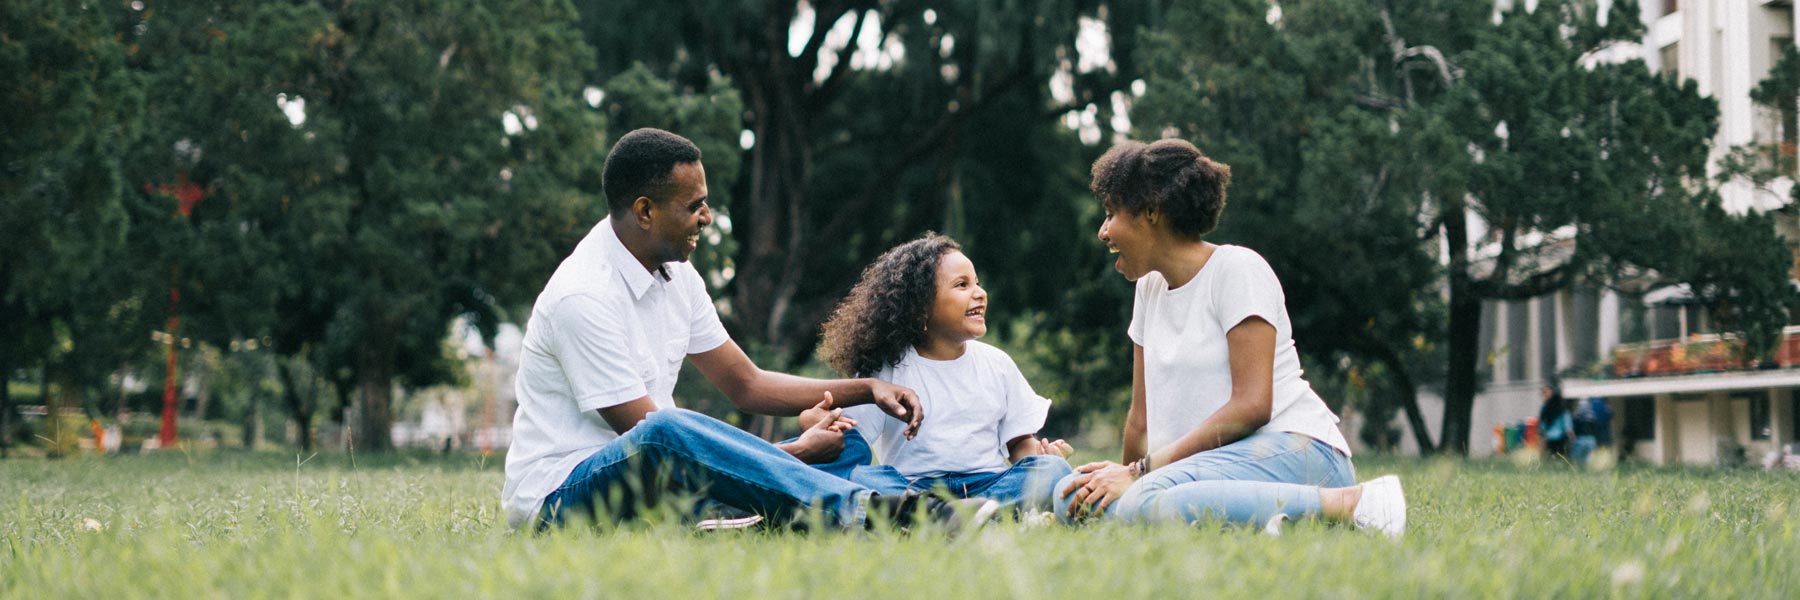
1382, 507
1273, 527
954, 517
722, 523
717, 516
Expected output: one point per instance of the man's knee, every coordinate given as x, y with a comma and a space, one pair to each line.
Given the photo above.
667, 423
1047, 463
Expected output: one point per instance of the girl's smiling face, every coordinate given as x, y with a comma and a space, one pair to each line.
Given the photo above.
959, 311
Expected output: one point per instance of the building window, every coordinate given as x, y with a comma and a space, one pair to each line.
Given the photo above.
1633, 320
1670, 6
1638, 418
1518, 339
1671, 60
1759, 417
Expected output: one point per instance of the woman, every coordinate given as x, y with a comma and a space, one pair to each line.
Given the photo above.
1221, 423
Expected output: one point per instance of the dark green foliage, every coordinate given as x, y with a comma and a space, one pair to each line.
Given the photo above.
65, 260
400, 201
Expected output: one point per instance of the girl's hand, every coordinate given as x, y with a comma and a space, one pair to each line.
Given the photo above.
1098, 486
823, 412
1037, 445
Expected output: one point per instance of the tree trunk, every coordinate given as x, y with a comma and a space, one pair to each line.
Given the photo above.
1409, 400
1464, 336
375, 377
772, 228
6, 406
253, 433
300, 408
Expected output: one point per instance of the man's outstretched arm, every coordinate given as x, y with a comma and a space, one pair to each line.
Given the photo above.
765, 392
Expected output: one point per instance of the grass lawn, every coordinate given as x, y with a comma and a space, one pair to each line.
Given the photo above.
231, 525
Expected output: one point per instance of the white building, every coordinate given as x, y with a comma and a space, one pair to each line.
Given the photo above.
1654, 357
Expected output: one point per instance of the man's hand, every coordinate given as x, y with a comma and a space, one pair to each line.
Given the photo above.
1099, 485
898, 402
823, 439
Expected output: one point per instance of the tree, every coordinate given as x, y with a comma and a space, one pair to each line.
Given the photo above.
69, 108
381, 169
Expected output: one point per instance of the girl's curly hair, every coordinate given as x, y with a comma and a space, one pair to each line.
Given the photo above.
887, 310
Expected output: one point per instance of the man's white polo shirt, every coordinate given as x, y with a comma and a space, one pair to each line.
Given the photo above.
605, 331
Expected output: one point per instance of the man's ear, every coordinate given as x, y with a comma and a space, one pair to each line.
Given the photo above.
640, 211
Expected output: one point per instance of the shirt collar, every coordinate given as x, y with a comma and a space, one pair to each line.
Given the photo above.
637, 279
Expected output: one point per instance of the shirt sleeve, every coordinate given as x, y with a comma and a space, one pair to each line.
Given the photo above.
1025, 410
1247, 288
591, 342
705, 332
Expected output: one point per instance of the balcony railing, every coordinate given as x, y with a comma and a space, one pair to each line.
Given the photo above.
1700, 353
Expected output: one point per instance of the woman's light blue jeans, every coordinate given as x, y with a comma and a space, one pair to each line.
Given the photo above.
1246, 482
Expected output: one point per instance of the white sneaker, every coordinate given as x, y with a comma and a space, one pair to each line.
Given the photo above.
1034, 520
724, 523
1273, 527
1382, 507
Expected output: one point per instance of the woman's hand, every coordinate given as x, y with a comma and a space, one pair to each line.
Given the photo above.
1098, 485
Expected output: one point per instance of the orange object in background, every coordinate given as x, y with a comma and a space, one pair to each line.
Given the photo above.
1533, 437
1500, 439
99, 436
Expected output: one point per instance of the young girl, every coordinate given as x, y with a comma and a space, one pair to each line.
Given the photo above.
912, 320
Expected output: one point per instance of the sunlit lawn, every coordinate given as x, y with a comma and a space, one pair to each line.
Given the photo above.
232, 525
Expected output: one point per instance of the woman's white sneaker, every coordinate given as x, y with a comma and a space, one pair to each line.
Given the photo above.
1382, 507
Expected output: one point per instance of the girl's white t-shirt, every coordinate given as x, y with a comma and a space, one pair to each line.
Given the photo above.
973, 406
1187, 361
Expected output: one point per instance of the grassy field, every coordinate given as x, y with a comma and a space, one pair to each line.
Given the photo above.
230, 525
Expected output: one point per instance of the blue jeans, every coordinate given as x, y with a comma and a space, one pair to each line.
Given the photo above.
856, 453
1025, 485
1582, 448
675, 451
1246, 482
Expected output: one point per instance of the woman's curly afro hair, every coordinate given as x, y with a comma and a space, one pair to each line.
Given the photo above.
1170, 176
887, 310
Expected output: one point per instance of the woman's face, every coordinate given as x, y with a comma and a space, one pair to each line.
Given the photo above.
1130, 237
959, 312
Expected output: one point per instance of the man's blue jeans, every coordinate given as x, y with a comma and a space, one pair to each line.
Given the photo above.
676, 451
1246, 482
1025, 485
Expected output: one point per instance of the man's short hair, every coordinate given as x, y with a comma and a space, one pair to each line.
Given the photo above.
1171, 176
639, 165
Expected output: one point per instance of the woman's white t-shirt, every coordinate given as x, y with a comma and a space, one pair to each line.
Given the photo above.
973, 404
1187, 362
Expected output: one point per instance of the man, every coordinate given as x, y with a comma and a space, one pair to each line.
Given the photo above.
597, 418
